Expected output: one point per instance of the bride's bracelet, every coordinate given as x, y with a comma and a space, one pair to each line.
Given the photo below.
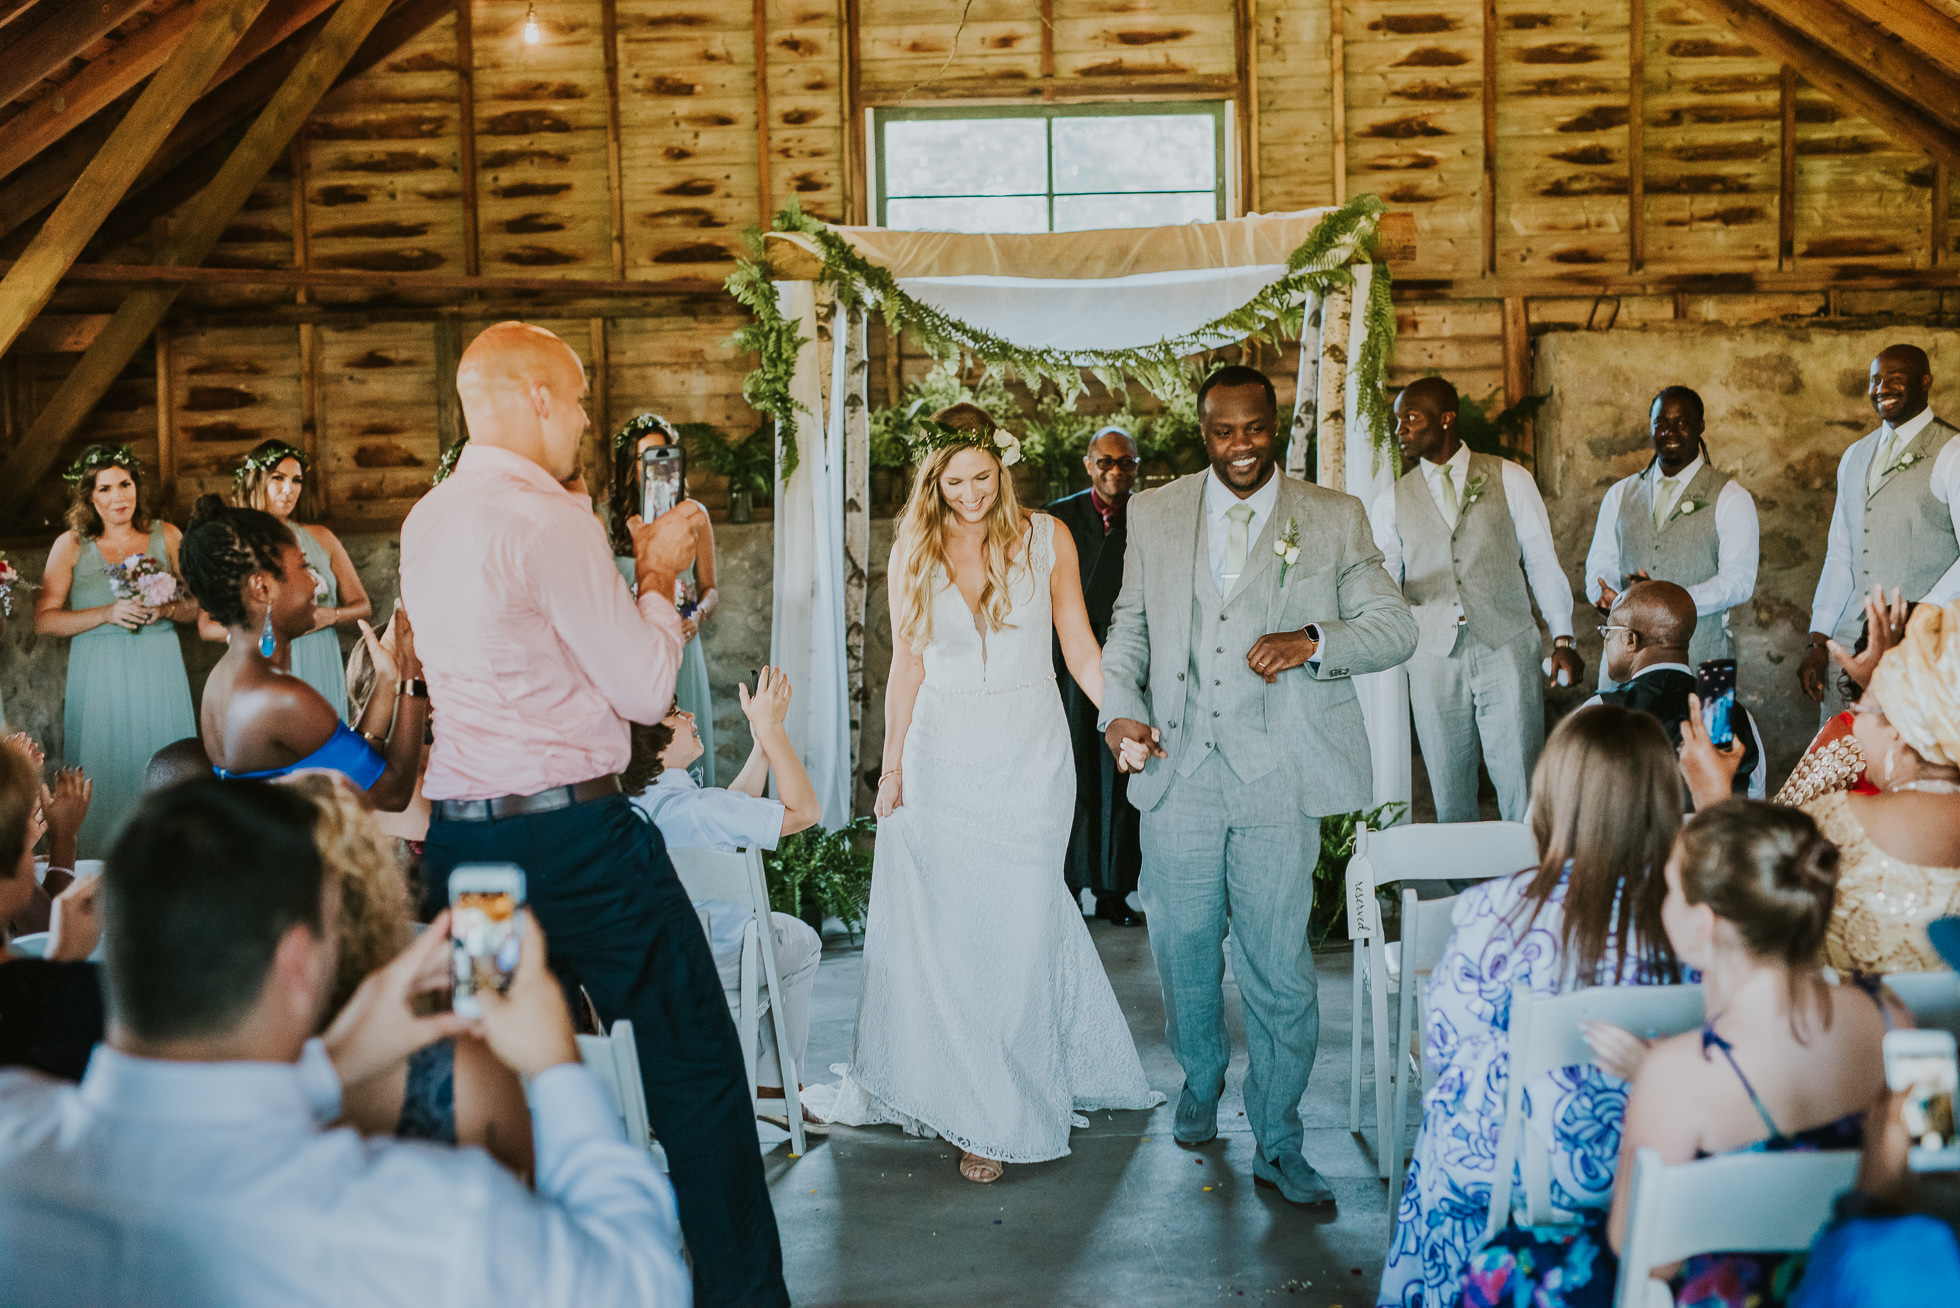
888, 774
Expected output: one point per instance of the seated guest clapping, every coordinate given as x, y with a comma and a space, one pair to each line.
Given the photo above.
1605, 804
1785, 1061
694, 817
454, 1090
258, 721
50, 1007
190, 1167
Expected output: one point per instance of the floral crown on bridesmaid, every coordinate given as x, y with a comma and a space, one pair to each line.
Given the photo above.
265, 458
643, 424
929, 435
97, 457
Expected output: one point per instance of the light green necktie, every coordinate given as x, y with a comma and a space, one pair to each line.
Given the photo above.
1882, 459
1664, 499
1237, 542
1450, 507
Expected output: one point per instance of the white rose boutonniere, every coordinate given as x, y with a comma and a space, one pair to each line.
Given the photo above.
1009, 446
1905, 461
1473, 490
1287, 547
1685, 507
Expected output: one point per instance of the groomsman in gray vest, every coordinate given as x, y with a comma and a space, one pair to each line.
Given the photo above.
1248, 601
1468, 537
1682, 520
1897, 520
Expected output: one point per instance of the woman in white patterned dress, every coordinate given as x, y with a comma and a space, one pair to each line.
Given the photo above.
985, 1017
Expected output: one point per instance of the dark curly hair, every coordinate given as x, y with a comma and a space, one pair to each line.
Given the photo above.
223, 547
650, 741
96, 460
624, 495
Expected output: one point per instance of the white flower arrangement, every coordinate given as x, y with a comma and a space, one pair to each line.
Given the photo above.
1287, 547
1009, 446
1905, 461
1473, 490
1685, 507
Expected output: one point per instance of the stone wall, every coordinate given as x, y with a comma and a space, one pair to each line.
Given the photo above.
1783, 402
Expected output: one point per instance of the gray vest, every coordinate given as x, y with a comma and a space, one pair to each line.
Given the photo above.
1476, 573
1223, 688
1908, 535
1686, 550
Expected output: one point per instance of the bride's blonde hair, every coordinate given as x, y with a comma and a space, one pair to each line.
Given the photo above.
919, 555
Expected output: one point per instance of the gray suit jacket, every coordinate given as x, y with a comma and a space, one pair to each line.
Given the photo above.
1339, 584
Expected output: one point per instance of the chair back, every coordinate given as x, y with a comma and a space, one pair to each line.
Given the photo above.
615, 1059
1933, 998
1430, 851
734, 878
1545, 1035
1737, 1203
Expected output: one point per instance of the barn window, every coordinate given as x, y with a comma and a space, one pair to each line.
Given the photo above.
1050, 168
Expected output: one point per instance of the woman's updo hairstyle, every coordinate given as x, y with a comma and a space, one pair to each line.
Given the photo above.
1766, 870
223, 547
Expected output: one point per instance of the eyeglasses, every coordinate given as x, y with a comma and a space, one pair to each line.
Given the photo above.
1110, 465
1606, 632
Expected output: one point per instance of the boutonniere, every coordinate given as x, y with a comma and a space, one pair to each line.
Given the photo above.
1287, 547
1905, 461
1685, 507
1473, 490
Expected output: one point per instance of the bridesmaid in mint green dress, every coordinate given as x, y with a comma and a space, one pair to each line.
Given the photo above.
128, 695
691, 692
272, 478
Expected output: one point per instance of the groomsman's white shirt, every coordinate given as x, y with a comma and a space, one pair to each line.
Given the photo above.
1737, 536
1528, 518
1840, 577
1219, 500
1759, 778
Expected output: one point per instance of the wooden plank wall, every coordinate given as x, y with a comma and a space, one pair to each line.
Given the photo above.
1506, 127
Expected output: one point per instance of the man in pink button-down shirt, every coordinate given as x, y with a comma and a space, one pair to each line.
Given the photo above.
537, 657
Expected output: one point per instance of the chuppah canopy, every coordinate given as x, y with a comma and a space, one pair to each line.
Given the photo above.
1128, 306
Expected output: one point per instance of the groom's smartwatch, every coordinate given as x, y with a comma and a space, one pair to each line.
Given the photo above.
1312, 630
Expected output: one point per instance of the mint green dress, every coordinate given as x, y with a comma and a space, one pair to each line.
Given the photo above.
317, 659
128, 697
690, 687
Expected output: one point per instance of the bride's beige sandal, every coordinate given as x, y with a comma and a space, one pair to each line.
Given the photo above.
981, 1171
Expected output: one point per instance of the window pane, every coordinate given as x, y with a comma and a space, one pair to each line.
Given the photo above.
966, 156
1009, 213
1136, 152
1077, 213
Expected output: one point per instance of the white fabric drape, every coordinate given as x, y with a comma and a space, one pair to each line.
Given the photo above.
1114, 313
1384, 696
806, 633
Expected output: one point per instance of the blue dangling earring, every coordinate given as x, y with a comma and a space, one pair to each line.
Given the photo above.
266, 642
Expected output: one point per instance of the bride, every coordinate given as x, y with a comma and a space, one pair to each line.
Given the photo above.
985, 1017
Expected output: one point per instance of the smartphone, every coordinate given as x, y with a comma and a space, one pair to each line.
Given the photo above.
1715, 683
1923, 1063
483, 930
663, 479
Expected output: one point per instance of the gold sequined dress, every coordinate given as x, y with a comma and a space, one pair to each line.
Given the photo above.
1883, 904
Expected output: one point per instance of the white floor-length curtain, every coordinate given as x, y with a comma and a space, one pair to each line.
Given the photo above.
806, 634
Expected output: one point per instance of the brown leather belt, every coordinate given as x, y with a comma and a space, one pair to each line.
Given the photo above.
545, 801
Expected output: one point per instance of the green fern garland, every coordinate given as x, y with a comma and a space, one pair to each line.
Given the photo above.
1272, 315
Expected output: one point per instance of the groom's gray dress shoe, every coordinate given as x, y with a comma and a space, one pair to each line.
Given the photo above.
1197, 1121
1295, 1179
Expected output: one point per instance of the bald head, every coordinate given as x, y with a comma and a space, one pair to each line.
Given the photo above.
1659, 622
179, 761
1901, 381
522, 389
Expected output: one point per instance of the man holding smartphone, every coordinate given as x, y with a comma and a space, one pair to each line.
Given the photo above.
537, 657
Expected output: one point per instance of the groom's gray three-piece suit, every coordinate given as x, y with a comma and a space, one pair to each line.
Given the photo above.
1230, 825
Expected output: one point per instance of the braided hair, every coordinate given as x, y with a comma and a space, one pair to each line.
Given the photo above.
223, 547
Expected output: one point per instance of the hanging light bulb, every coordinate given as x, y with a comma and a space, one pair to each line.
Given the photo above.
532, 32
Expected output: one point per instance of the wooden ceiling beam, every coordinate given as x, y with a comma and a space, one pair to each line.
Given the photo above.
102, 185
64, 33
195, 231
1879, 56
1836, 76
1920, 25
138, 274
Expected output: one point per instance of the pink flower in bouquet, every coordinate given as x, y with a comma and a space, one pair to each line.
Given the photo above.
143, 579
157, 588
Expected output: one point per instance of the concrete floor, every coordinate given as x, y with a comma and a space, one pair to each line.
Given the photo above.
874, 1217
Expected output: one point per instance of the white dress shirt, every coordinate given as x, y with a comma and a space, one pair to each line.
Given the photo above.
1759, 776
1840, 577
1528, 519
1219, 501
1738, 542
177, 1183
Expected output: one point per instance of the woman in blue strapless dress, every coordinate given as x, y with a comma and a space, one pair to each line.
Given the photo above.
273, 477
128, 695
259, 721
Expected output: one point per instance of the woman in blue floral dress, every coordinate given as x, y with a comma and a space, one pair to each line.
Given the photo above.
1606, 803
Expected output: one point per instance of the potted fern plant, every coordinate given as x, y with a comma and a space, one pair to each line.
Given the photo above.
748, 464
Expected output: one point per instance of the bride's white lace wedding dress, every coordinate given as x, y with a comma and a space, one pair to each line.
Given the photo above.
986, 1016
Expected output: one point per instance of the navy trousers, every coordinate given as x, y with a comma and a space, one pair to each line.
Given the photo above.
618, 922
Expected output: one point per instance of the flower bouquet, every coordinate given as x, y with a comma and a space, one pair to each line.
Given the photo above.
145, 580
10, 580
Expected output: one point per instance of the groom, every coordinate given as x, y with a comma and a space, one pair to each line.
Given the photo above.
1226, 683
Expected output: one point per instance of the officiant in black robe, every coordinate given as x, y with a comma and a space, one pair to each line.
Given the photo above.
1103, 850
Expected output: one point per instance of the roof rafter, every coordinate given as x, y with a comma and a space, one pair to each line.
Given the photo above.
1877, 54
1921, 26
63, 34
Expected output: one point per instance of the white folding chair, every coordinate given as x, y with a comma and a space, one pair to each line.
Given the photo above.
1737, 1203
1426, 928
1545, 1035
1463, 851
736, 878
615, 1059
1933, 998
